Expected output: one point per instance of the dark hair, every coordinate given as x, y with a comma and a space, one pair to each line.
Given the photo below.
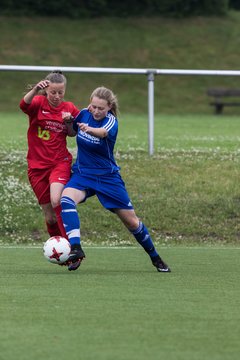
55, 77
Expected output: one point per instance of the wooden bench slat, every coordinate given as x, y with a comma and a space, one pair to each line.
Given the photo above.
219, 94
224, 103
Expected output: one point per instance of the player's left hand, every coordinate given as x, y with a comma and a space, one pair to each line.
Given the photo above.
67, 117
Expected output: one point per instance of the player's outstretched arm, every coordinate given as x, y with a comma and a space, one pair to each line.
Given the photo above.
34, 91
98, 132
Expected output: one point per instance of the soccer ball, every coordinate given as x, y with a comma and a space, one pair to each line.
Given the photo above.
57, 250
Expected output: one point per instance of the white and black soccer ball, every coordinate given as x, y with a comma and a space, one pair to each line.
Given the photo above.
57, 250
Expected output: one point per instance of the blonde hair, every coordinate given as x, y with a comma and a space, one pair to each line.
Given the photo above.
106, 94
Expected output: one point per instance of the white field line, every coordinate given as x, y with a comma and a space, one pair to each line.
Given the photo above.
26, 247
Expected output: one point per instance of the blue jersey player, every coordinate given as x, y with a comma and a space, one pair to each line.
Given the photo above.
96, 172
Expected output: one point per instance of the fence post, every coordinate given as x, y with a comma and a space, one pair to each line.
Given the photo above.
151, 111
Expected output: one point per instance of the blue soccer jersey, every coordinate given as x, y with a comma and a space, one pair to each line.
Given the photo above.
95, 155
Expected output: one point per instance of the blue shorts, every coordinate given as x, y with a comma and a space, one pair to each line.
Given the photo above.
110, 189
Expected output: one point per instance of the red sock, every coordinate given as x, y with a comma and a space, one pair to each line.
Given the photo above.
53, 229
58, 210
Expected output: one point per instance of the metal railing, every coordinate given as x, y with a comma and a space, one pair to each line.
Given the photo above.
150, 73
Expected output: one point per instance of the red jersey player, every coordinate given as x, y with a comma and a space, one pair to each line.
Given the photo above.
49, 161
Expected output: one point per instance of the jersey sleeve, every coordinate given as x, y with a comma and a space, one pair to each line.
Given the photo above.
111, 125
78, 119
74, 110
32, 108
26, 108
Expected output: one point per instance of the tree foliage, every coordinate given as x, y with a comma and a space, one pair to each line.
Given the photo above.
234, 4
118, 8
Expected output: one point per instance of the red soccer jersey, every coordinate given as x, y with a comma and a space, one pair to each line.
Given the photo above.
47, 132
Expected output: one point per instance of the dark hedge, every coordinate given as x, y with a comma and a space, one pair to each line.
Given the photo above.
118, 8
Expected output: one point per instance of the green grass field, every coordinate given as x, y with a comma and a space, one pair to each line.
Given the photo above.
118, 307
187, 192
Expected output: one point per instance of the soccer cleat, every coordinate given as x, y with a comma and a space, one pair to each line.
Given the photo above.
160, 264
76, 257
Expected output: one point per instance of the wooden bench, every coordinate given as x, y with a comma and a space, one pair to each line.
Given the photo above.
220, 98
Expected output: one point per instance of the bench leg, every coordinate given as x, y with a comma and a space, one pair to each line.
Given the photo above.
219, 109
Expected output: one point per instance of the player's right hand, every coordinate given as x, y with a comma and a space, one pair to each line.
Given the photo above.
42, 85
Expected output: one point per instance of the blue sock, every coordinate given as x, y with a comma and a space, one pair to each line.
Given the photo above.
71, 220
142, 236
